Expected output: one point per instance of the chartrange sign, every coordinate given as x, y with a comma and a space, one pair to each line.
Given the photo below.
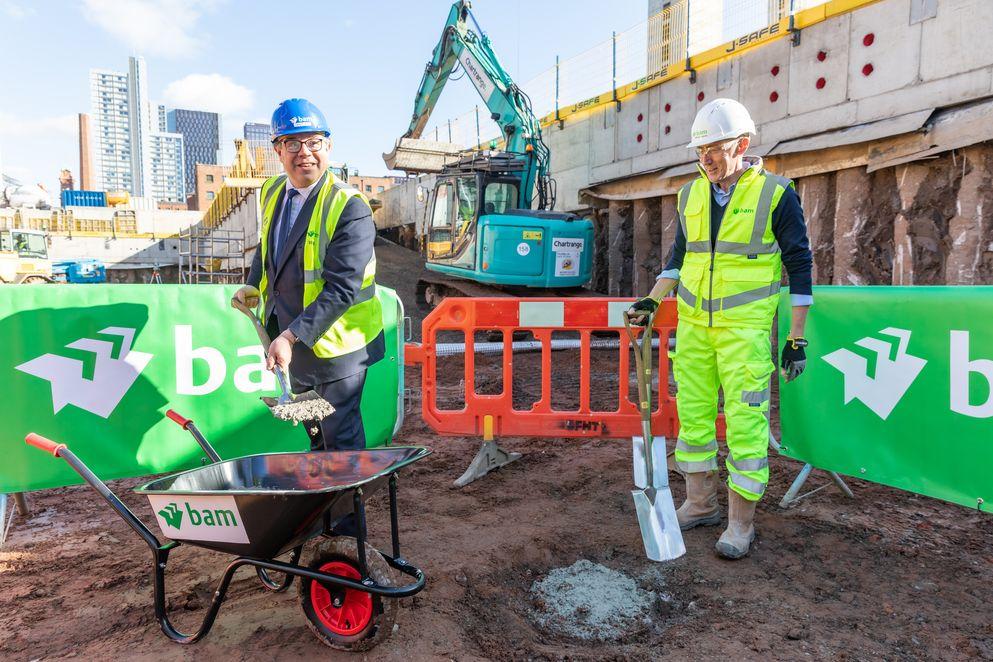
97, 366
898, 389
214, 518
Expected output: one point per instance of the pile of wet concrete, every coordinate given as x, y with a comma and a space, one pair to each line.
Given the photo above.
591, 602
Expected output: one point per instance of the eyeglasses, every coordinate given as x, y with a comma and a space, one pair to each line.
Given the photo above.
293, 145
713, 151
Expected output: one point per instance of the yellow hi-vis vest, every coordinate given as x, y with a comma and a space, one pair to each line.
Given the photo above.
733, 281
363, 321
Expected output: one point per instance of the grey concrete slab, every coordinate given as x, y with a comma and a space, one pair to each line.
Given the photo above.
765, 82
678, 102
610, 171
892, 59
807, 67
602, 133
957, 39
945, 92
632, 127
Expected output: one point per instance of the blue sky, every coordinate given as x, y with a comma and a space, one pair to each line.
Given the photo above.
359, 62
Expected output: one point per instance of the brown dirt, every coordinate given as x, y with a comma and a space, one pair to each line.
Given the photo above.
887, 576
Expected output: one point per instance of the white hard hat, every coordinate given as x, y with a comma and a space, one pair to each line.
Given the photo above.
721, 119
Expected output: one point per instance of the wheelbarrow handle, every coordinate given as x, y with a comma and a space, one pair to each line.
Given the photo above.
62, 451
45, 444
187, 424
177, 418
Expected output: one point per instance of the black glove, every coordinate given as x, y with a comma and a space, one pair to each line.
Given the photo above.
794, 359
640, 310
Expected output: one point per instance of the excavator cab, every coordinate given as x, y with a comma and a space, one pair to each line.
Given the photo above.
476, 230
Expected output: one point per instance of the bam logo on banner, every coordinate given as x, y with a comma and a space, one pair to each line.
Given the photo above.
883, 390
898, 389
214, 518
97, 382
97, 366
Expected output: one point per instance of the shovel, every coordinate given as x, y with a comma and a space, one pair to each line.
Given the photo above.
653, 501
307, 406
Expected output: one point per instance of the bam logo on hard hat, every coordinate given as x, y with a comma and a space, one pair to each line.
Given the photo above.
98, 380
303, 121
213, 518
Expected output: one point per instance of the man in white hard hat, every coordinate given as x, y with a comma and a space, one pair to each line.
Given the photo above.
738, 226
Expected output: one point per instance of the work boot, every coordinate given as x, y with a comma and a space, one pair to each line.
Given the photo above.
700, 507
734, 542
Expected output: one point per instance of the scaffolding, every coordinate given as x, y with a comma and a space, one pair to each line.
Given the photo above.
210, 256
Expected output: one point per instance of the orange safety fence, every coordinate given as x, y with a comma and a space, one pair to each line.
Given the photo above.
589, 319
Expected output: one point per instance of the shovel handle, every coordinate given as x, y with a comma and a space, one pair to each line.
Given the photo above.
281, 374
256, 322
45, 444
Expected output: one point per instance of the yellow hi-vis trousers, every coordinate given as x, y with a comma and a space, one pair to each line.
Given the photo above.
740, 361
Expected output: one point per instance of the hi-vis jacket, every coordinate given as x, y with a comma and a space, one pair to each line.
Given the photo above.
731, 280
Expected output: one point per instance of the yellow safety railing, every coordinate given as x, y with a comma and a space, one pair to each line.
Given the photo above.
686, 35
124, 223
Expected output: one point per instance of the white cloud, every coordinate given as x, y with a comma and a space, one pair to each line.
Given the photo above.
11, 125
15, 10
151, 27
212, 92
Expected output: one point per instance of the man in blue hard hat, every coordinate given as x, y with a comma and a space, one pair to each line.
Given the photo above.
315, 274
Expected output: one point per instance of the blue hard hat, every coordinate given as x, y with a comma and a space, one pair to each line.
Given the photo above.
298, 116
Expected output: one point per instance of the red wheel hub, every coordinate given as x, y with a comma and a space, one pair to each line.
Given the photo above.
353, 612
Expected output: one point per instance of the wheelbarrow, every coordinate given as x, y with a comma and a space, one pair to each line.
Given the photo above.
259, 507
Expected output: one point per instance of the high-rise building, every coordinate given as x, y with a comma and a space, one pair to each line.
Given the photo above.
257, 132
140, 126
201, 133
130, 151
111, 130
163, 120
166, 167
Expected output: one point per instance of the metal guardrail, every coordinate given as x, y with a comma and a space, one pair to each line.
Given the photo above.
661, 47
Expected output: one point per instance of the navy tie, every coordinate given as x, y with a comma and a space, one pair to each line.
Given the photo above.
285, 222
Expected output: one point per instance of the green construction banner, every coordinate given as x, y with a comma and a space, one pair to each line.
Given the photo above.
898, 389
97, 366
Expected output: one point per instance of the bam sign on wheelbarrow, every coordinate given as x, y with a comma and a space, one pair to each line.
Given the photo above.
101, 363
898, 389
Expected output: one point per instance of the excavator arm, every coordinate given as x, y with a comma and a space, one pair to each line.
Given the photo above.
508, 105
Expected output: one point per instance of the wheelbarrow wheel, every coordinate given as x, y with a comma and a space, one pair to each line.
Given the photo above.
348, 619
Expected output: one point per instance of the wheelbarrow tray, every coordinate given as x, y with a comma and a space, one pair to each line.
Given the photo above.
260, 506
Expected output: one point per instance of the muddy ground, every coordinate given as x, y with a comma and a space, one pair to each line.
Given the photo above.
888, 575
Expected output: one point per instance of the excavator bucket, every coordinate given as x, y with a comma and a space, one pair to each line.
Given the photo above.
415, 156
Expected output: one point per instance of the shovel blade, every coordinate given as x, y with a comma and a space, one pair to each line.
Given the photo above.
660, 465
659, 527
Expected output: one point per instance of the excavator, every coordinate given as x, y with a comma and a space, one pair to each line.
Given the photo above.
490, 226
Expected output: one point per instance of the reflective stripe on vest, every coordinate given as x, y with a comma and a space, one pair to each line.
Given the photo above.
735, 280
363, 321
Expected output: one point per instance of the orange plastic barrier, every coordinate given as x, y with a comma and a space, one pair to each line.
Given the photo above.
542, 317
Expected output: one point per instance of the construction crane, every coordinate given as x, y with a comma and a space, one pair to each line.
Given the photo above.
489, 217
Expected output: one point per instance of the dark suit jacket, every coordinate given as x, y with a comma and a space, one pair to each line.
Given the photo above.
349, 252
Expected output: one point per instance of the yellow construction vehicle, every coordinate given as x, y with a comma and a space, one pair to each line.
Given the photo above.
24, 257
